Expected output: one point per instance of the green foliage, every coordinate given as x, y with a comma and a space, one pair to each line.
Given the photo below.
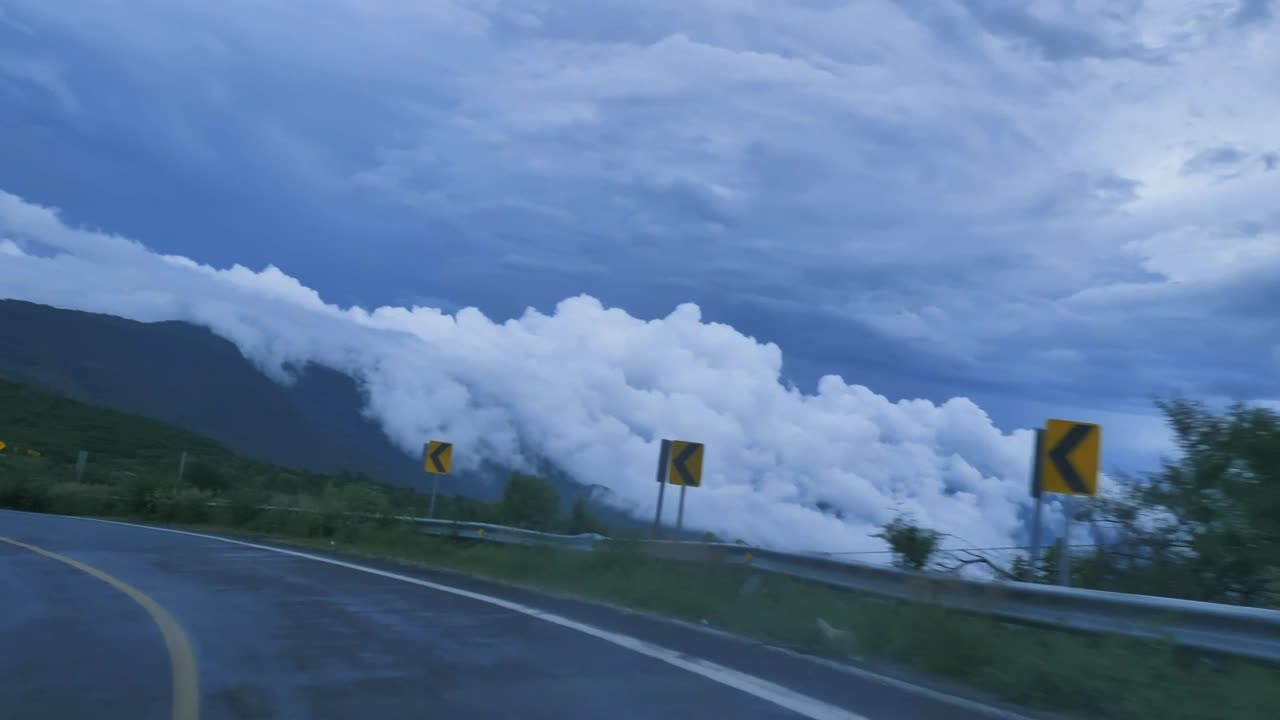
1215, 535
134, 464
60, 427
1271, 599
582, 520
1219, 542
913, 546
25, 494
1088, 676
242, 507
143, 495
460, 507
205, 475
529, 502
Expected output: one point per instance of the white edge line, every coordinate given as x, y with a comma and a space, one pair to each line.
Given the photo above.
758, 687
977, 706
744, 682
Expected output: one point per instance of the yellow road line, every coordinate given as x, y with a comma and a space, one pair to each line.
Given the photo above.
182, 661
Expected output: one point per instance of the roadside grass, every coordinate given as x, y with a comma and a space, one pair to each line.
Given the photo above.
1083, 675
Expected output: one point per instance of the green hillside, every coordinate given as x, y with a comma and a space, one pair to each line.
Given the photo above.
187, 376
132, 474
133, 470
59, 427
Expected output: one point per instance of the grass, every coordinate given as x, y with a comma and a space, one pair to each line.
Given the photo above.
1088, 676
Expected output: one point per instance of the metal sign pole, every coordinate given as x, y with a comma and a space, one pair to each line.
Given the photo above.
1036, 493
431, 511
1064, 557
680, 512
664, 456
1035, 538
81, 460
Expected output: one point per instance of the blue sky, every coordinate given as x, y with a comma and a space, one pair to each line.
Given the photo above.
1052, 208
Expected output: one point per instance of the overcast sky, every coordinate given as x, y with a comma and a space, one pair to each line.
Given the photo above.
1052, 209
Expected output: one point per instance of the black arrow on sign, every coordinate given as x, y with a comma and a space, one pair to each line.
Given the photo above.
435, 456
1060, 456
686, 478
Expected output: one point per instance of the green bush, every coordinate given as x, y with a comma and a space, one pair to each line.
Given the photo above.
581, 520
204, 475
529, 502
24, 494
70, 498
143, 495
913, 546
242, 507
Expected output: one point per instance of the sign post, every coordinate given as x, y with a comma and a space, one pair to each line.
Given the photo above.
437, 458
664, 454
1039, 496
1064, 553
680, 510
81, 460
685, 471
1067, 461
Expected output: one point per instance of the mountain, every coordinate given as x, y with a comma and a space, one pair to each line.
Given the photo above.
183, 374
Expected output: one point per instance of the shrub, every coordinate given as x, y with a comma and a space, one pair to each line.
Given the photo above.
582, 520
529, 502
204, 475
912, 545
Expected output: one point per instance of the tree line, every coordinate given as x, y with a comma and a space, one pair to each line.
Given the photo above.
1205, 525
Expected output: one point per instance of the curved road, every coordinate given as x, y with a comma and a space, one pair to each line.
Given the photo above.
104, 620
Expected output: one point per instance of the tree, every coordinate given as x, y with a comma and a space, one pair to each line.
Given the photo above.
529, 502
204, 475
913, 546
1206, 526
582, 520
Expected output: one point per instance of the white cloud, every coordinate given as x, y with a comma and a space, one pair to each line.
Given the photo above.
1046, 197
985, 180
1193, 254
588, 387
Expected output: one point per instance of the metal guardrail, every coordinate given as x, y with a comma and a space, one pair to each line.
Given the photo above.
1245, 632
505, 534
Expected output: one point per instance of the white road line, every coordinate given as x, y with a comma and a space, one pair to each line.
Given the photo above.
747, 683
803, 705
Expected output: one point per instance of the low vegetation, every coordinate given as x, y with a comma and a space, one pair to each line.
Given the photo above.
1205, 526
133, 473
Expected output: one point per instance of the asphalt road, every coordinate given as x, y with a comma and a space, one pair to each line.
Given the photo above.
103, 621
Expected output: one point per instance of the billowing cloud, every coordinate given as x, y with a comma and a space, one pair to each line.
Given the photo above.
962, 186
589, 388
1053, 206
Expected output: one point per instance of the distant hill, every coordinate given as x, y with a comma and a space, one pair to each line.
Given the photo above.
184, 374
58, 428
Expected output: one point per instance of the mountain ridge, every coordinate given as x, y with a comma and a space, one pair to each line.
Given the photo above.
187, 375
